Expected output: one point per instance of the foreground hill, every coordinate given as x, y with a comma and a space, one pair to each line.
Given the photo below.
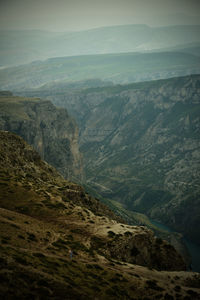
141, 146
118, 68
19, 47
43, 216
50, 130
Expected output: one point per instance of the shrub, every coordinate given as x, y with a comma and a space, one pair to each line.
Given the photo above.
39, 254
97, 242
153, 285
134, 251
168, 297
111, 233
128, 233
192, 294
21, 236
60, 243
32, 237
77, 230
159, 241
177, 288
20, 260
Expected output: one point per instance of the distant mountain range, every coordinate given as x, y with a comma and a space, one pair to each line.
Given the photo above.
120, 68
20, 47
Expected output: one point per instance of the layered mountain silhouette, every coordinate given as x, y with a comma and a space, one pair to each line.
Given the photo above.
119, 68
19, 47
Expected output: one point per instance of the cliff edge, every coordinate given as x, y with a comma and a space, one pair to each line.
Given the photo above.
50, 130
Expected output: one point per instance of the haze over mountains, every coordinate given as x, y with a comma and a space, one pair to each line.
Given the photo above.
117, 68
19, 47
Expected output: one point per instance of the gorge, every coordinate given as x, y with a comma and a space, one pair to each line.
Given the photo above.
100, 150
140, 144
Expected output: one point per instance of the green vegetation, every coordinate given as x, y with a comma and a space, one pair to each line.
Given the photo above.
153, 285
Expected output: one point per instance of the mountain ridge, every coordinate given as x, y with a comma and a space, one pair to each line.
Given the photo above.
118, 68
19, 47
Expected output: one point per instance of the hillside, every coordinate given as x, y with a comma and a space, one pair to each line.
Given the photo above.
50, 130
140, 144
20, 47
119, 68
43, 216
192, 48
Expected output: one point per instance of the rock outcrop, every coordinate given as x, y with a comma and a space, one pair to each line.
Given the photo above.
50, 130
137, 245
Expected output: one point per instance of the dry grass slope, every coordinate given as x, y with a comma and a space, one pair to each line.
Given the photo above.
43, 216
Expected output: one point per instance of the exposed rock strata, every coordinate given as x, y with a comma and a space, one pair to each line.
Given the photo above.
50, 130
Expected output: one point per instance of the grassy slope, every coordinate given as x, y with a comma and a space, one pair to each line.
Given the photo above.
38, 228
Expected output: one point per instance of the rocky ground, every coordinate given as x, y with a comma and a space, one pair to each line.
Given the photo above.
44, 216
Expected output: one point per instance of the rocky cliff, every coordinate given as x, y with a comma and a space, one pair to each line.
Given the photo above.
141, 146
43, 216
50, 130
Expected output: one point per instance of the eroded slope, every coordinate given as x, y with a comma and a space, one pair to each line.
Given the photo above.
43, 216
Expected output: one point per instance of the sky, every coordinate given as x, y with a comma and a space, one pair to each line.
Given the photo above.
75, 15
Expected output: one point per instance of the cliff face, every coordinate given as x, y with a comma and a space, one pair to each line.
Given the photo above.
43, 216
141, 146
50, 130
146, 144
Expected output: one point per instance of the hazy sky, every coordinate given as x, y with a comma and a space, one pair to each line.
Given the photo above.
66, 15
